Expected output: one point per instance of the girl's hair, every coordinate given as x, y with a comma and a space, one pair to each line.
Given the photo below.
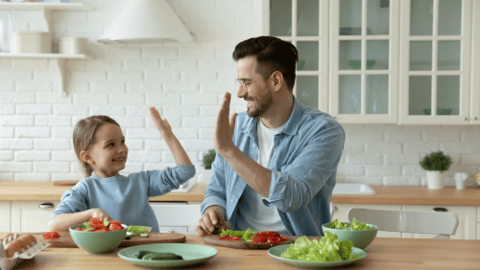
84, 134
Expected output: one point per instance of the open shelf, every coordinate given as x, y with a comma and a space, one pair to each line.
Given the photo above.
45, 55
44, 5
47, 8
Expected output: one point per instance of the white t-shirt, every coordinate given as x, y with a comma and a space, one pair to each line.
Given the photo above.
254, 214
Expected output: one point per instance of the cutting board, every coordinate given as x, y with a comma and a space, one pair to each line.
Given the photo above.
214, 240
66, 241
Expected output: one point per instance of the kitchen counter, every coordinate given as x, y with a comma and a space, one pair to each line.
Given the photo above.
414, 195
384, 195
383, 253
46, 191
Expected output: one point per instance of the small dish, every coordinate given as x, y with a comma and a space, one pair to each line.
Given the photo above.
276, 252
192, 254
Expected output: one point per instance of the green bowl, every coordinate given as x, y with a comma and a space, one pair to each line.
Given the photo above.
360, 239
97, 242
357, 64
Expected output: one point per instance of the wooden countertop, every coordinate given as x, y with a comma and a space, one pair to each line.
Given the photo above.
383, 253
414, 195
46, 191
384, 195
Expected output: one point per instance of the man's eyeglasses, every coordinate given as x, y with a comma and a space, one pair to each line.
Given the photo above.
242, 82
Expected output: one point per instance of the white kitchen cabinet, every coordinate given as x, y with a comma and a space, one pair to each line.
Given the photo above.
478, 223
435, 62
305, 24
342, 210
390, 61
31, 216
363, 70
5, 216
475, 96
467, 219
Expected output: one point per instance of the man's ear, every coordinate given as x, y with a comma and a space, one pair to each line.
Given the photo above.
85, 156
277, 80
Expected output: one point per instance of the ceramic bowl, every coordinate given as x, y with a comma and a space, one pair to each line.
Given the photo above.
357, 64
360, 239
97, 242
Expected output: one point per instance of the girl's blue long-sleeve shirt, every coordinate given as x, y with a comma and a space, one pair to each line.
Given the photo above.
125, 198
304, 164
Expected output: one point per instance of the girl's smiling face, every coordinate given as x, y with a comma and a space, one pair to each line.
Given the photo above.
108, 154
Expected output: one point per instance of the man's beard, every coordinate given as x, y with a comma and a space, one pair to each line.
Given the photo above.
260, 108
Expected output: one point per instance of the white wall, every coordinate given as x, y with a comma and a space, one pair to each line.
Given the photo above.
186, 82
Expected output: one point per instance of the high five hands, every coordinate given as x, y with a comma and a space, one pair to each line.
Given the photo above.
224, 128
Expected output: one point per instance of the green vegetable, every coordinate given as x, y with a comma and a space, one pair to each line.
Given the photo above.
246, 236
328, 249
356, 226
106, 223
150, 255
134, 230
144, 235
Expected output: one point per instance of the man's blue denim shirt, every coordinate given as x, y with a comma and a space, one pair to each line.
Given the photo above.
304, 164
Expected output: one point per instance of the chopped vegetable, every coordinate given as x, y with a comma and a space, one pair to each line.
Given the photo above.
51, 235
228, 237
356, 226
150, 255
269, 237
246, 236
328, 249
95, 225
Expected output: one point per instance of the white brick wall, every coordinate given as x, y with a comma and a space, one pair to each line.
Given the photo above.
186, 82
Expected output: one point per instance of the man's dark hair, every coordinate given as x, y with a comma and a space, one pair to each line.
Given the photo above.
272, 54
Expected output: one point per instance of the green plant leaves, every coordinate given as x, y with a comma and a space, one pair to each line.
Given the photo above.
436, 161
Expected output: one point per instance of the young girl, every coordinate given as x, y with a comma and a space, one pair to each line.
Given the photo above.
100, 147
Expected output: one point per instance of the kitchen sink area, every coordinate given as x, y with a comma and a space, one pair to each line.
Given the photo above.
353, 189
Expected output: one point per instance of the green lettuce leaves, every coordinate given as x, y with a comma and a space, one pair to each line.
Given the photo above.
356, 226
328, 249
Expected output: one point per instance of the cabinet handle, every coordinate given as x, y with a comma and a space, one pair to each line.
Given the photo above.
475, 118
466, 118
440, 209
46, 205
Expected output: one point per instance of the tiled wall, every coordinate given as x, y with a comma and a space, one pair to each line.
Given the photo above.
186, 82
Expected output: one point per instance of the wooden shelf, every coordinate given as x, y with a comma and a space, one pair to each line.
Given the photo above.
44, 5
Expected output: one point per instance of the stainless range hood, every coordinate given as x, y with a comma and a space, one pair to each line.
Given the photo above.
146, 21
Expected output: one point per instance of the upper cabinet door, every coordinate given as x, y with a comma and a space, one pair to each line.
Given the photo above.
364, 60
475, 100
304, 23
435, 61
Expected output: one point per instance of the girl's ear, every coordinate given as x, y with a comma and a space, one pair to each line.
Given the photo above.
85, 156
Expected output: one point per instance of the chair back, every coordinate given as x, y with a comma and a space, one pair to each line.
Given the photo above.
183, 215
442, 224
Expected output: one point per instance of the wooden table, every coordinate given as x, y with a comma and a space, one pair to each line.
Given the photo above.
383, 253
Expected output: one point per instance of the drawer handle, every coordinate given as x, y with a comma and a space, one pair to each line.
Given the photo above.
440, 209
46, 205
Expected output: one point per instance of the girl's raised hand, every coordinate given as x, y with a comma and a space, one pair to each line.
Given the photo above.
161, 124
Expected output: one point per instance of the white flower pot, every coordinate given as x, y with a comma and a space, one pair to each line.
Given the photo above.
206, 177
434, 180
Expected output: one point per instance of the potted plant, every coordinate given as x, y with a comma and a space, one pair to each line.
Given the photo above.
207, 161
435, 163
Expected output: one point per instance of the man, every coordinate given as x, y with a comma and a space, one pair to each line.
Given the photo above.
276, 163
